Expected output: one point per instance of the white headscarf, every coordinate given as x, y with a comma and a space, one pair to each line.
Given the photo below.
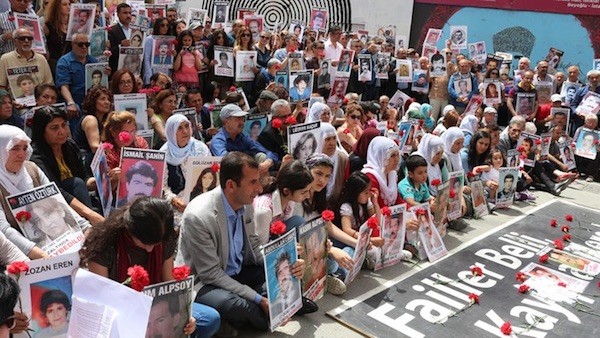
316, 110
379, 152
449, 137
327, 131
13, 182
469, 124
429, 146
175, 154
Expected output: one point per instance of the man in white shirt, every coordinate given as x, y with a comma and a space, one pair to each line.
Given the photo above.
333, 48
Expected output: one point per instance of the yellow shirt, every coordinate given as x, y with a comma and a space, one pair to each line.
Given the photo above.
65, 172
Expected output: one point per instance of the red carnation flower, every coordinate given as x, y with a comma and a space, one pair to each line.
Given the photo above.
522, 157
478, 170
373, 222
276, 123
474, 298
328, 215
290, 120
17, 267
452, 193
385, 211
521, 168
346, 131
435, 182
566, 237
470, 174
420, 212
174, 42
506, 328
569, 217
107, 146
401, 133
345, 101
215, 167
138, 277
521, 149
573, 145
562, 284
565, 228
544, 258
277, 67
278, 228
538, 141
559, 244
292, 49
11, 18
596, 141
476, 271
421, 121
232, 89
181, 272
156, 89
520, 277
29, 122
23, 216
124, 137
553, 223
524, 288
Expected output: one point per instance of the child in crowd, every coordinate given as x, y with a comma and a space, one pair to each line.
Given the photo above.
358, 202
490, 176
414, 188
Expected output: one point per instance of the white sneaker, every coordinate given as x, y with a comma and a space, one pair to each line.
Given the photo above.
406, 255
335, 286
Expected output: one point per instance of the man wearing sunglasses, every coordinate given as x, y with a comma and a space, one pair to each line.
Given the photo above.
24, 56
70, 72
7, 26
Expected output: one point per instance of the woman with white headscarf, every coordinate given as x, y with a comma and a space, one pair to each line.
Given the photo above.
469, 126
17, 175
331, 147
319, 112
453, 141
431, 148
383, 160
179, 147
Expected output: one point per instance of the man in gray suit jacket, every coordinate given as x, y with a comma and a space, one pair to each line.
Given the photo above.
218, 241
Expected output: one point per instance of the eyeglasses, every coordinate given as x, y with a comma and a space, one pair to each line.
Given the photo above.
25, 38
356, 117
246, 35
82, 44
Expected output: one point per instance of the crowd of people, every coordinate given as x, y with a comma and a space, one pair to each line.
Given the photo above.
356, 170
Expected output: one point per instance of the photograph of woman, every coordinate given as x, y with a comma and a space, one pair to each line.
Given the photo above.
301, 89
306, 145
207, 181
55, 307
49, 220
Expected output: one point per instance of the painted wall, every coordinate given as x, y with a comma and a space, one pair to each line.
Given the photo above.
521, 33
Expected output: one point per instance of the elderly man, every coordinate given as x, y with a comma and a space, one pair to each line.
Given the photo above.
70, 74
230, 137
264, 102
219, 245
523, 86
457, 99
291, 43
235, 30
593, 78
7, 25
276, 139
193, 99
266, 76
542, 73
24, 56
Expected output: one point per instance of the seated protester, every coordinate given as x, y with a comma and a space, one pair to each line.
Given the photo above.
453, 141
476, 153
17, 175
469, 126
9, 295
510, 136
321, 167
123, 82
231, 280
489, 118
119, 131
9, 252
413, 188
358, 156
193, 99
585, 166
449, 119
231, 138
59, 158
7, 114
319, 112
265, 77
276, 203
490, 176
96, 107
383, 161
431, 148
45, 94
275, 139
142, 234
179, 147
264, 104
554, 156
162, 105
358, 202
428, 121
331, 147
350, 131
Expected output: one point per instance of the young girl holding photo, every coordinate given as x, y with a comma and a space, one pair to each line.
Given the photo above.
490, 176
358, 202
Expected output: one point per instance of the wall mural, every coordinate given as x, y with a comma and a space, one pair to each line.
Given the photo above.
521, 33
340, 11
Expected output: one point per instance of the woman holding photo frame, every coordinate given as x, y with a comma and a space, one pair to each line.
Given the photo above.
55, 29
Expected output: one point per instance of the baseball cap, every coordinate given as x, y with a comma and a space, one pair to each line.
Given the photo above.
232, 110
555, 98
490, 110
195, 24
268, 95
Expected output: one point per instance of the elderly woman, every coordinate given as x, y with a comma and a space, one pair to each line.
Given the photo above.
59, 158
17, 175
383, 161
143, 234
7, 113
179, 147
319, 112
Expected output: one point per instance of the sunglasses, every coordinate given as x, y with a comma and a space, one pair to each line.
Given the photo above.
25, 38
82, 44
356, 117
264, 37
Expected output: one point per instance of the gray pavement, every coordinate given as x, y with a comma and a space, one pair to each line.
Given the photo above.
321, 325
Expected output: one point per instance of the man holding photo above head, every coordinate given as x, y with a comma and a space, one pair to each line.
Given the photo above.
524, 86
217, 244
459, 96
